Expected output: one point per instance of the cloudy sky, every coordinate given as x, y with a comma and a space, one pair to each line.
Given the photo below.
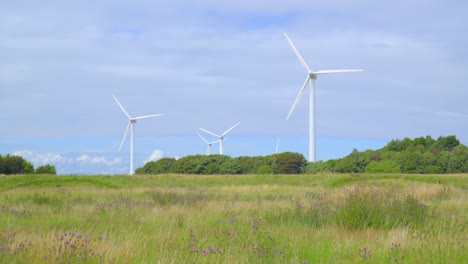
212, 64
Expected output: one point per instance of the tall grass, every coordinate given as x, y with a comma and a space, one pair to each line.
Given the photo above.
233, 219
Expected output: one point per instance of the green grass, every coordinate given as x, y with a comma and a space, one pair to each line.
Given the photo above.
234, 219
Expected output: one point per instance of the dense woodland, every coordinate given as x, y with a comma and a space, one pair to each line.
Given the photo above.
18, 165
419, 155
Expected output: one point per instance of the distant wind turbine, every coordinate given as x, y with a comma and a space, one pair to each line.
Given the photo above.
310, 79
131, 123
208, 150
221, 137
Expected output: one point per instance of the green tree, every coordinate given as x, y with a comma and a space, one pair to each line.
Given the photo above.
447, 143
46, 169
185, 165
230, 166
320, 167
12, 165
265, 169
385, 166
289, 163
28, 167
160, 166
458, 160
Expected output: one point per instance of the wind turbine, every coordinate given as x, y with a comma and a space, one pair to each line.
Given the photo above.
131, 123
310, 79
221, 137
208, 150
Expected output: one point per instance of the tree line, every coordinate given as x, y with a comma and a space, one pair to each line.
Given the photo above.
282, 163
421, 155
18, 165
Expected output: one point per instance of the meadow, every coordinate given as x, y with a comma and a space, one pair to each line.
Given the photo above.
324, 218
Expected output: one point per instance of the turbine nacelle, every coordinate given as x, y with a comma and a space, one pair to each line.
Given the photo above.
312, 75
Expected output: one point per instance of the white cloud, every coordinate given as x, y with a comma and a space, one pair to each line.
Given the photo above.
68, 164
39, 159
83, 157
156, 155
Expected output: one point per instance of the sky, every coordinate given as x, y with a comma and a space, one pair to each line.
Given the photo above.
210, 64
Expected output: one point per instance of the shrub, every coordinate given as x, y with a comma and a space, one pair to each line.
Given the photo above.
265, 169
289, 163
386, 166
157, 167
230, 166
319, 166
46, 169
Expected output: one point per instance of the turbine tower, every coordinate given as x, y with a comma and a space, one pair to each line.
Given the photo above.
310, 79
131, 123
208, 150
221, 137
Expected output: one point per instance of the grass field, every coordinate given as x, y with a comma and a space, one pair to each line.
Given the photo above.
234, 219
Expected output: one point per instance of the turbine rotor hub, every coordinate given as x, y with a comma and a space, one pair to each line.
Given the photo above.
312, 75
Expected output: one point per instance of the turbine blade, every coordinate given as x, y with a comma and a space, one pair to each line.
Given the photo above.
125, 135
298, 55
147, 116
335, 71
216, 141
277, 146
299, 96
230, 129
203, 138
121, 107
211, 133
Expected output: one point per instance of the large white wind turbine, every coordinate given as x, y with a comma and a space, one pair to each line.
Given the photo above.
131, 123
221, 137
208, 150
310, 79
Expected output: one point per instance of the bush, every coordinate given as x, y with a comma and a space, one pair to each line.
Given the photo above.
319, 166
264, 169
46, 169
157, 167
289, 163
230, 166
386, 166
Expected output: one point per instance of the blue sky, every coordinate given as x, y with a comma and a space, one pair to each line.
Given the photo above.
212, 64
